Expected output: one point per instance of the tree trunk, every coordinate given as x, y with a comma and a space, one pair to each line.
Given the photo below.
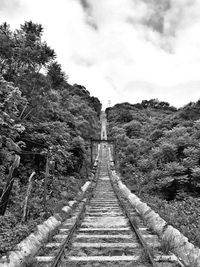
7, 190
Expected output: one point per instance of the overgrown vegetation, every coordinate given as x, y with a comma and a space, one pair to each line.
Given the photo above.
158, 156
48, 123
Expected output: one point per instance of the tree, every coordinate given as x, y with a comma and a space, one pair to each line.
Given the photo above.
23, 51
55, 74
133, 129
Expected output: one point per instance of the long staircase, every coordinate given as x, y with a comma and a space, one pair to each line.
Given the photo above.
102, 230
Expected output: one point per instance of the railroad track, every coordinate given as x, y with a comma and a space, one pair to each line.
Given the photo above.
104, 230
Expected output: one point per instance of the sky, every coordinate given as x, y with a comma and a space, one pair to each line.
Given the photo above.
121, 50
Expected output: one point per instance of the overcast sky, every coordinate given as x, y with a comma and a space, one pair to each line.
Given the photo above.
121, 50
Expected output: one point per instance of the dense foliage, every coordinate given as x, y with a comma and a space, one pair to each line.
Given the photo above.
158, 156
44, 120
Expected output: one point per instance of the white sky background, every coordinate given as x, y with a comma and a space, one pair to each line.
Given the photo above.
121, 50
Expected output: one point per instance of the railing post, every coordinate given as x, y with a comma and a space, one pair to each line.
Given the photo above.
114, 151
45, 180
91, 151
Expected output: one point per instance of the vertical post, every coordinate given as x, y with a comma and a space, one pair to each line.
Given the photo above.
95, 150
91, 152
28, 192
114, 152
45, 180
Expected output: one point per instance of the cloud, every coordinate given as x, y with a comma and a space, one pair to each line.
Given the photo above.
164, 20
89, 19
9, 7
121, 50
85, 4
6, 4
85, 62
176, 95
154, 13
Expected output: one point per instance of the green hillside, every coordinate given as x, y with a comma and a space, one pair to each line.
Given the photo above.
44, 119
158, 157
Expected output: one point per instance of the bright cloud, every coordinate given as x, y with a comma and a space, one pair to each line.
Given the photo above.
122, 50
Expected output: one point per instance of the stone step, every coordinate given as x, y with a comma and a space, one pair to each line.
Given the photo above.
106, 245
103, 229
44, 258
70, 221
104, 203
104, 258
116, 206
104, 212
149, 236
64, 230
68, 224
105, 198
103, 209
142, 229
103, 236
52, 245
166, 258
104, 206
61, 236
107, 221
98, 219
107, 205
100, 214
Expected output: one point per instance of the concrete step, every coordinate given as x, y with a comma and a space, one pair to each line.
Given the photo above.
82, 229
105, 245
143, 229
104, 203
104, 236
104, 209
101, 218
107, 222
60, 236
104, 212
104, 206
52, 245
104, 258
64, 230
44, 258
